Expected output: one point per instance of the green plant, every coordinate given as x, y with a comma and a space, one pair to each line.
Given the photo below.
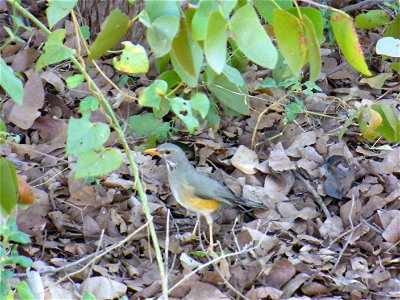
376, 120
200, 52
10, 259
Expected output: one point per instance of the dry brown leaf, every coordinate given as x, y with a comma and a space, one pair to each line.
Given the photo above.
53, 79
303, 139
200, 291
279, 161
264, 292
392, 231
24, 59
314, 289
103, 288
24, 115
26, 195
332, 227
281, 272
245, 160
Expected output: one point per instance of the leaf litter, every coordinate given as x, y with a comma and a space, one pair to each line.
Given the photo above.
290, 250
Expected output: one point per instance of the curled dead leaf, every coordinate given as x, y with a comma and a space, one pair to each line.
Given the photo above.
25, 193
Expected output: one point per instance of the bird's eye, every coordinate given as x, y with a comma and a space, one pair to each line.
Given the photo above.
167, 152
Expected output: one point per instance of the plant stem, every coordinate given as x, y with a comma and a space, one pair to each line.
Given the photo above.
322, 6
133, 165
321, 115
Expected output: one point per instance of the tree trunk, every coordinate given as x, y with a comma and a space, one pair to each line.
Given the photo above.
95, 12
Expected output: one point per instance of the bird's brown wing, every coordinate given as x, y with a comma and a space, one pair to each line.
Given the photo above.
212, 189
208, 188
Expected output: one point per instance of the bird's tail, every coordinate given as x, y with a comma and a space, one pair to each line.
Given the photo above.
249, 203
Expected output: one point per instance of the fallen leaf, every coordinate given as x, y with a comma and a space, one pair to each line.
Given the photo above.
245, 160
24, 115
103, 288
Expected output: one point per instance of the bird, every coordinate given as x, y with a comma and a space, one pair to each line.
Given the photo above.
196, 191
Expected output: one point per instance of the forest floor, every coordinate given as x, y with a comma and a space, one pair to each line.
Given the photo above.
330, 230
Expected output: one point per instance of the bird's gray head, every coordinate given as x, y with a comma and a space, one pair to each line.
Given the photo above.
173, 155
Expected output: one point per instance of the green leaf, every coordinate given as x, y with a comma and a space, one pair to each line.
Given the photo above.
84, 136
202, 17
282, 70
315, 17
54, 50
85, 32
369, 120
19, 237
162, 63
186, 55
213, 118
116, 26
24, 291
233, 75
3, 131
8, 187
227, 6
215, 42
251, 37
74, 81
11, 83
161, 34
236, 57
233, 96
88, 104
347, 39
170, 77
267, 83
314, 54
390, 127
151, 95
156, 9
92, 163
266, 8
144, 124
292, 109
58, 9
199, 102
19, 260
372, 19
163, 110
291, 39
377, 81
395, 66
89, 296
133, 59
393, 29
183, 111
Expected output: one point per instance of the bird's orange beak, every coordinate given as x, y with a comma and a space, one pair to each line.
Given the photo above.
152, 151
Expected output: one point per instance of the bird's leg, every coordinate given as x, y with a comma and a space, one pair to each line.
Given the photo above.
211, 246
195, 226
211, 239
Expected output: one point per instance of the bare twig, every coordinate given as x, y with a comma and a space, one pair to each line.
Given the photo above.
187, 276
83, 259
315, 194
364, 4
253, 137
350, 237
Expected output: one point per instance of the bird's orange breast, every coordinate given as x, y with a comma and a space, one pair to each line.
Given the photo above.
195, 203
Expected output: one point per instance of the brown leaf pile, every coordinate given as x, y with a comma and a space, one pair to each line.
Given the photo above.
305, 244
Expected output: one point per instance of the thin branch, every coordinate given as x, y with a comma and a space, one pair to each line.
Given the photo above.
364, 4
315, 194
350, 237
101, 253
